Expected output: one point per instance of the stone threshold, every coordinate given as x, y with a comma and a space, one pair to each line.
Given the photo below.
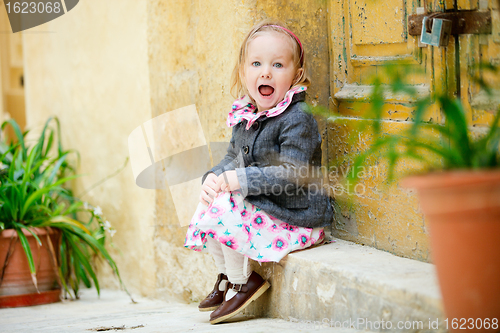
343, 283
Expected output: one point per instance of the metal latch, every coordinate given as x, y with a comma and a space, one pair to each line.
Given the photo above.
462, 22
435, 31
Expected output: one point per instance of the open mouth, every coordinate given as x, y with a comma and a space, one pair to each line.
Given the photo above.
266, 90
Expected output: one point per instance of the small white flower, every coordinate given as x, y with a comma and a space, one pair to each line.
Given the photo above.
112, 232
98, 211
107, 225
86, 205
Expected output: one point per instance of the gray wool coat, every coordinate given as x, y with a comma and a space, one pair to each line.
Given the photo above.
277, 164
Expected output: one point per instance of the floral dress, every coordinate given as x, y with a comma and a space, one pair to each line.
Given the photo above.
247, 229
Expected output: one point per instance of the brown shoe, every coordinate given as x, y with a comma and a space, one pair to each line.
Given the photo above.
216, 296
246, 293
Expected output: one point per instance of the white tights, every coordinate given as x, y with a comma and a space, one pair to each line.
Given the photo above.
229, 262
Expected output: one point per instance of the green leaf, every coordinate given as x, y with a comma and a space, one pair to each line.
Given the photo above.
38, 193
58, 221
86, 264
18, 133
27, 250
21, 226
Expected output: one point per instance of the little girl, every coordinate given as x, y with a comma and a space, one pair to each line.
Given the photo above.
259, 202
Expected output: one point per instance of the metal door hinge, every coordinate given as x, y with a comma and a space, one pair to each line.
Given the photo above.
462, 22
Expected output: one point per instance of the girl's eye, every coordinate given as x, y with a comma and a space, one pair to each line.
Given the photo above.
255, 63
278, 65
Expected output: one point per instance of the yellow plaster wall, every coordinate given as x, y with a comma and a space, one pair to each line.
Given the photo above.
90, 69
3, 59
1, 94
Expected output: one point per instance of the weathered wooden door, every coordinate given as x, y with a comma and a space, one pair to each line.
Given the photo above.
364, 35
474, 51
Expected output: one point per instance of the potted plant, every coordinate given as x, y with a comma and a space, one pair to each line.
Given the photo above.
458, 184
45, 242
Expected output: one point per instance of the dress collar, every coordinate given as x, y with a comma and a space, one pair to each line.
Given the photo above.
243, 108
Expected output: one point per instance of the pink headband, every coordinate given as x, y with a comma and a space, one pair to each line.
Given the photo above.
293, 35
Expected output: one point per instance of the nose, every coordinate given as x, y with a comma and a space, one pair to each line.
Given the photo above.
266, 72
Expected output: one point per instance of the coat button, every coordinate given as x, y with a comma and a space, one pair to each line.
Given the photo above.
246, 149
255, 126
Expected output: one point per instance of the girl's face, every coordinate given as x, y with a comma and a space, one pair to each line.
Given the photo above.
269, 69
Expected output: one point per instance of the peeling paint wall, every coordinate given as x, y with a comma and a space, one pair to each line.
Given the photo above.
381, 215
364, 36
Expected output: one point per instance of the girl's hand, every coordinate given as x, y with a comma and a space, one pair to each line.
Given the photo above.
209, 189
228, 181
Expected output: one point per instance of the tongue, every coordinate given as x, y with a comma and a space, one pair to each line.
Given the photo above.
266, 90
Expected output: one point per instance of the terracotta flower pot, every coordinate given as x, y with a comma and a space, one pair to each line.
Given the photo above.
463, 210
17, 288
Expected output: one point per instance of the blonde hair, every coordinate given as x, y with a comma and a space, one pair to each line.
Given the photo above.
238, 88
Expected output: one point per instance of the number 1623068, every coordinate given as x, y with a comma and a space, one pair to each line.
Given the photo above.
471, 323
33, 7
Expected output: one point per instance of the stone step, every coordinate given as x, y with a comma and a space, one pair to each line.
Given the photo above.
343, 283
114, 312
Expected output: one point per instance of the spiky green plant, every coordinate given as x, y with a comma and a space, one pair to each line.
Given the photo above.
33, 195
453, 147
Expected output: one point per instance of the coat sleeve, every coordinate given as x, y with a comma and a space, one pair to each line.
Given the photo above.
229, 162
298, 140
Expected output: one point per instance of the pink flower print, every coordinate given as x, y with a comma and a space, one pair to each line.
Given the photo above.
233, 203
303, 239
196, 234
203, 235
313, 240
321, 234
211, 233
279, 244
308, 229
259, 221
275, 228
229, 242
215, 211
202, 213
284, 225
247, 231
245, 215
293, 228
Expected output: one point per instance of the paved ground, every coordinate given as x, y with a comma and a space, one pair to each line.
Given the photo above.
114, 312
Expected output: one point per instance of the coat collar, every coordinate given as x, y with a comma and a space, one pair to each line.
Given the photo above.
243, 109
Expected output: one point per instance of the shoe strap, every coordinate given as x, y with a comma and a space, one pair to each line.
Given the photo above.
238, 287
220, 278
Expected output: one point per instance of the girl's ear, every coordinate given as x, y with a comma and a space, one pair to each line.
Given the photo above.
298, 75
